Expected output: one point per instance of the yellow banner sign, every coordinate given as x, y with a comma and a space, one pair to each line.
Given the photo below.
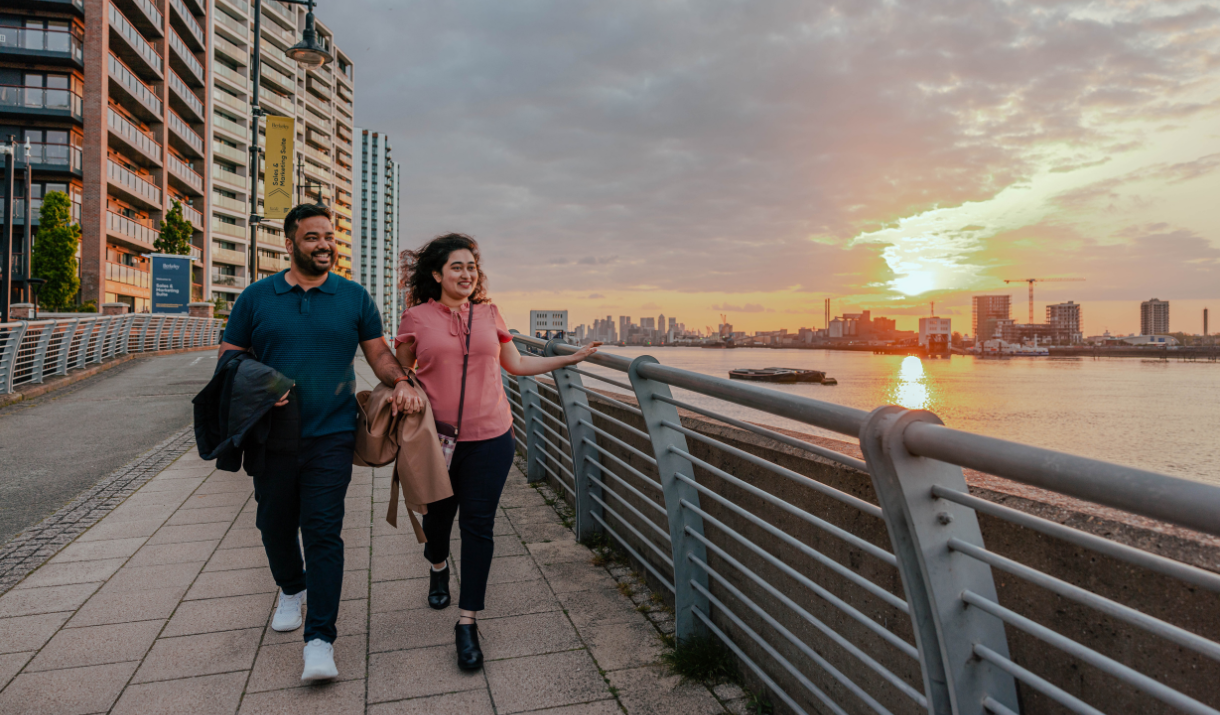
277, 199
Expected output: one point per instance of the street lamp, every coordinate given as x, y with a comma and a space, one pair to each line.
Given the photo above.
308, 53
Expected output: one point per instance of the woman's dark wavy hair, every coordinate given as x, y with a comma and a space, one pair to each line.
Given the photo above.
415, 268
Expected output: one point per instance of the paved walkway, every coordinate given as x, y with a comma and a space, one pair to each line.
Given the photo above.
164, 605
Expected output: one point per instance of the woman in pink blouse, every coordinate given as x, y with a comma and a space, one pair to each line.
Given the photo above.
448, 309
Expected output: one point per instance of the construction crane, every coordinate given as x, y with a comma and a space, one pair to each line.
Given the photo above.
1031, 282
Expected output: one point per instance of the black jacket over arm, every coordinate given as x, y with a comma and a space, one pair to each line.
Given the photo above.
234, 419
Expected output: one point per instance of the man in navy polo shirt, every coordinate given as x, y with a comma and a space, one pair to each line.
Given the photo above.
306, 322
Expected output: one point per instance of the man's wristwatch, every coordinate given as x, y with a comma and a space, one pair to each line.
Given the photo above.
404, 378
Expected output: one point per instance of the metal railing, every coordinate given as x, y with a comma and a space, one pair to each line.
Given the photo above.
131, 228
31, 351
40, 40
34, 99
188, 58
179, 126
128, 31
134, 135
852, 585
135, 183
185, 93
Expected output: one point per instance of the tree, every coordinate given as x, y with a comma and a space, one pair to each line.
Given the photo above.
176, 233
55, 249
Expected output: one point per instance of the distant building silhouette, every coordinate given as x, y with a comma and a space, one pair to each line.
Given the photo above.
987, 310
1154, 317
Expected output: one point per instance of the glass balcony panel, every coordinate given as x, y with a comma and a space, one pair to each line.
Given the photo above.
60, 42
184, 171
189, 20
131, 228
141, 91
36, 99
188, 58
129, 131
133, 182
184, 131
124, 27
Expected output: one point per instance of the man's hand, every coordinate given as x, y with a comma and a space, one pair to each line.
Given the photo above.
406, 400
283, 400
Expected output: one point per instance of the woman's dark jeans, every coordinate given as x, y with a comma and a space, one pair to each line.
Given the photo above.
478, 473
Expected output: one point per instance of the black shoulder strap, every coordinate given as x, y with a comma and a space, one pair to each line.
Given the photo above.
465, 364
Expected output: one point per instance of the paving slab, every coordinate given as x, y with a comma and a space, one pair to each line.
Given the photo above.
162, 604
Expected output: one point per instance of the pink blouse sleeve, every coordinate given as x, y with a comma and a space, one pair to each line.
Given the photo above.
406, 329
501, 327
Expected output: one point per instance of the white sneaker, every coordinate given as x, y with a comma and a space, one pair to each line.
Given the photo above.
288, 613
319, 661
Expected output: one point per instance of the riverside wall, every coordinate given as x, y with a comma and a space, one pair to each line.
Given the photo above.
1165, 598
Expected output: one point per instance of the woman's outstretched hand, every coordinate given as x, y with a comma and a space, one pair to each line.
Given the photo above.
584, 353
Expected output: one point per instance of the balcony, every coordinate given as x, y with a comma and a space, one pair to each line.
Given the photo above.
220, 121
286, 83
133, 186
234, 54
274, 264
184, 100
144, 15
76, 7
131, 232
187, 178
191, 214
234, 30
186, 138
229, 256
57, 47
275, 102
231, 153
56, 158
132, 138
188, 22
269, 240
230, 204
281, 36
221, 280
133, 48
50, 103
128, 275
229, 229
237, 104
230, 179
137, 97
35, 209
317, 138
269, 51
238, 7
317, 173
187, 63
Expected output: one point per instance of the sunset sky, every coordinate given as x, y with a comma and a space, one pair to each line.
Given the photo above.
754, 158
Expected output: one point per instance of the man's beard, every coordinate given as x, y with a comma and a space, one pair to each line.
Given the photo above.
306, 264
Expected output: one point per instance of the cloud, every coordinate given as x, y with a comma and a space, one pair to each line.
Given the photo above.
747, 308
739, 148
595, 296
650, 306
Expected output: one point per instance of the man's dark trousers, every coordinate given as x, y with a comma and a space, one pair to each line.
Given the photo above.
305, 489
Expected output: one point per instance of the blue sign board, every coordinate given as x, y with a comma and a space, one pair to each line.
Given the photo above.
171, 283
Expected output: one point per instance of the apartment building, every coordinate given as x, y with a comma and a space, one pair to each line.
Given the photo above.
112, 101
1154, 317
987, 311
376, 240
1066, 317
320, 100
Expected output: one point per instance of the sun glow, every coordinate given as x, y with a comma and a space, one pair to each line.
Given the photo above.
911, 390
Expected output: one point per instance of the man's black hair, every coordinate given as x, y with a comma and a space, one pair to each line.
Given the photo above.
299, 213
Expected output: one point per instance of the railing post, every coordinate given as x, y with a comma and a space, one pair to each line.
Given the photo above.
157, 337
681, 520
920, 527
40, 352
65, 347
8, 355
575, 411
531, 409
147, 320
103, 330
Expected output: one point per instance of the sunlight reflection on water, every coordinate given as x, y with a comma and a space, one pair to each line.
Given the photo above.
911, 389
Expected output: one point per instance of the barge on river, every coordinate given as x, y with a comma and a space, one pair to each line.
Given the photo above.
781, 374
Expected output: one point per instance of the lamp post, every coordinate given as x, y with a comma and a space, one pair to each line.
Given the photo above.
27, 262
6, 239
308, 53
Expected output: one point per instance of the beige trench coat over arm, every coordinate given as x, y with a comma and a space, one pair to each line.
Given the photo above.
410, 441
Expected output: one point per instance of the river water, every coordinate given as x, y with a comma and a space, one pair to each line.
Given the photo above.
1152, 414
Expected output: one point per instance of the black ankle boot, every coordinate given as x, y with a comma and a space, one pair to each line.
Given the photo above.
469, 655
438, 589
